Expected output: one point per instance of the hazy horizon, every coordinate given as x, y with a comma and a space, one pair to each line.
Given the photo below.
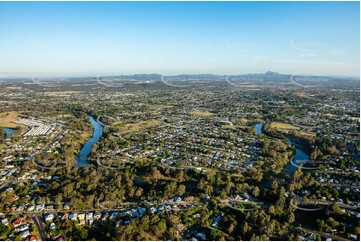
46, 75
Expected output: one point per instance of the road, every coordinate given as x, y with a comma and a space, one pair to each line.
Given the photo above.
120, 206
327, 235
40, 226
339, 185
257, 204
326, 203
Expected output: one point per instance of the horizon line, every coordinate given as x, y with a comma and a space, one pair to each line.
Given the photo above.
45, 75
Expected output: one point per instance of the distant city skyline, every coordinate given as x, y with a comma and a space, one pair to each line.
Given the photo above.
170, 38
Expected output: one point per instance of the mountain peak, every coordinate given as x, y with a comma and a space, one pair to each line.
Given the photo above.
271, 73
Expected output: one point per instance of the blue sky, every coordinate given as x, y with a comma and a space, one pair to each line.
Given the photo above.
95, 38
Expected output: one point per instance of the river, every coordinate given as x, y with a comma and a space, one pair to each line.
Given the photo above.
259, 127
8, 132
300, 158
300, 155
82, 157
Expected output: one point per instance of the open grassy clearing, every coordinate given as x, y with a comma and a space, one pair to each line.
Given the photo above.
201, 113
7, 118
160, 107
309, 134
302, 94
285, 128
228, 127
127, 128
119, 124
330, 115
242, 121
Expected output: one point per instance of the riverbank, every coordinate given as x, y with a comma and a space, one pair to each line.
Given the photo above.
301, 154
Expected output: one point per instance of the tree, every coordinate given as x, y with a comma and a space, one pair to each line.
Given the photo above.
290, 217
181, 189
180, 175
156, 174
296, 178
357, 230
274, 185
255, 191
139, 192
271, 209
209, 190
223, 195
161, 228
231, 228
245, 228
4, 230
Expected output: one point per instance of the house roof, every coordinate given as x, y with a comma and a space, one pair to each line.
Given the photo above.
31, 238
18, 221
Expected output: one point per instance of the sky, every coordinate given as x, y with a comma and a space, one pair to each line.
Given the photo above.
109, 38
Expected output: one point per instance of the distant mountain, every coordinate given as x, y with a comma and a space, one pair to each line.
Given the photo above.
200, 76
268, 76
137, 76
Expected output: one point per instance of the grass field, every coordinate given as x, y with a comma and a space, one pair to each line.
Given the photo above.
302, 94
330, 115
201, 113
307, 134
119, 124
242, 121
283, 127
7, 118
228, 127
128, 128
160, 107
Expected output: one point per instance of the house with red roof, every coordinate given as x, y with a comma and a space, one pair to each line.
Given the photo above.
31, 238
17, 222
